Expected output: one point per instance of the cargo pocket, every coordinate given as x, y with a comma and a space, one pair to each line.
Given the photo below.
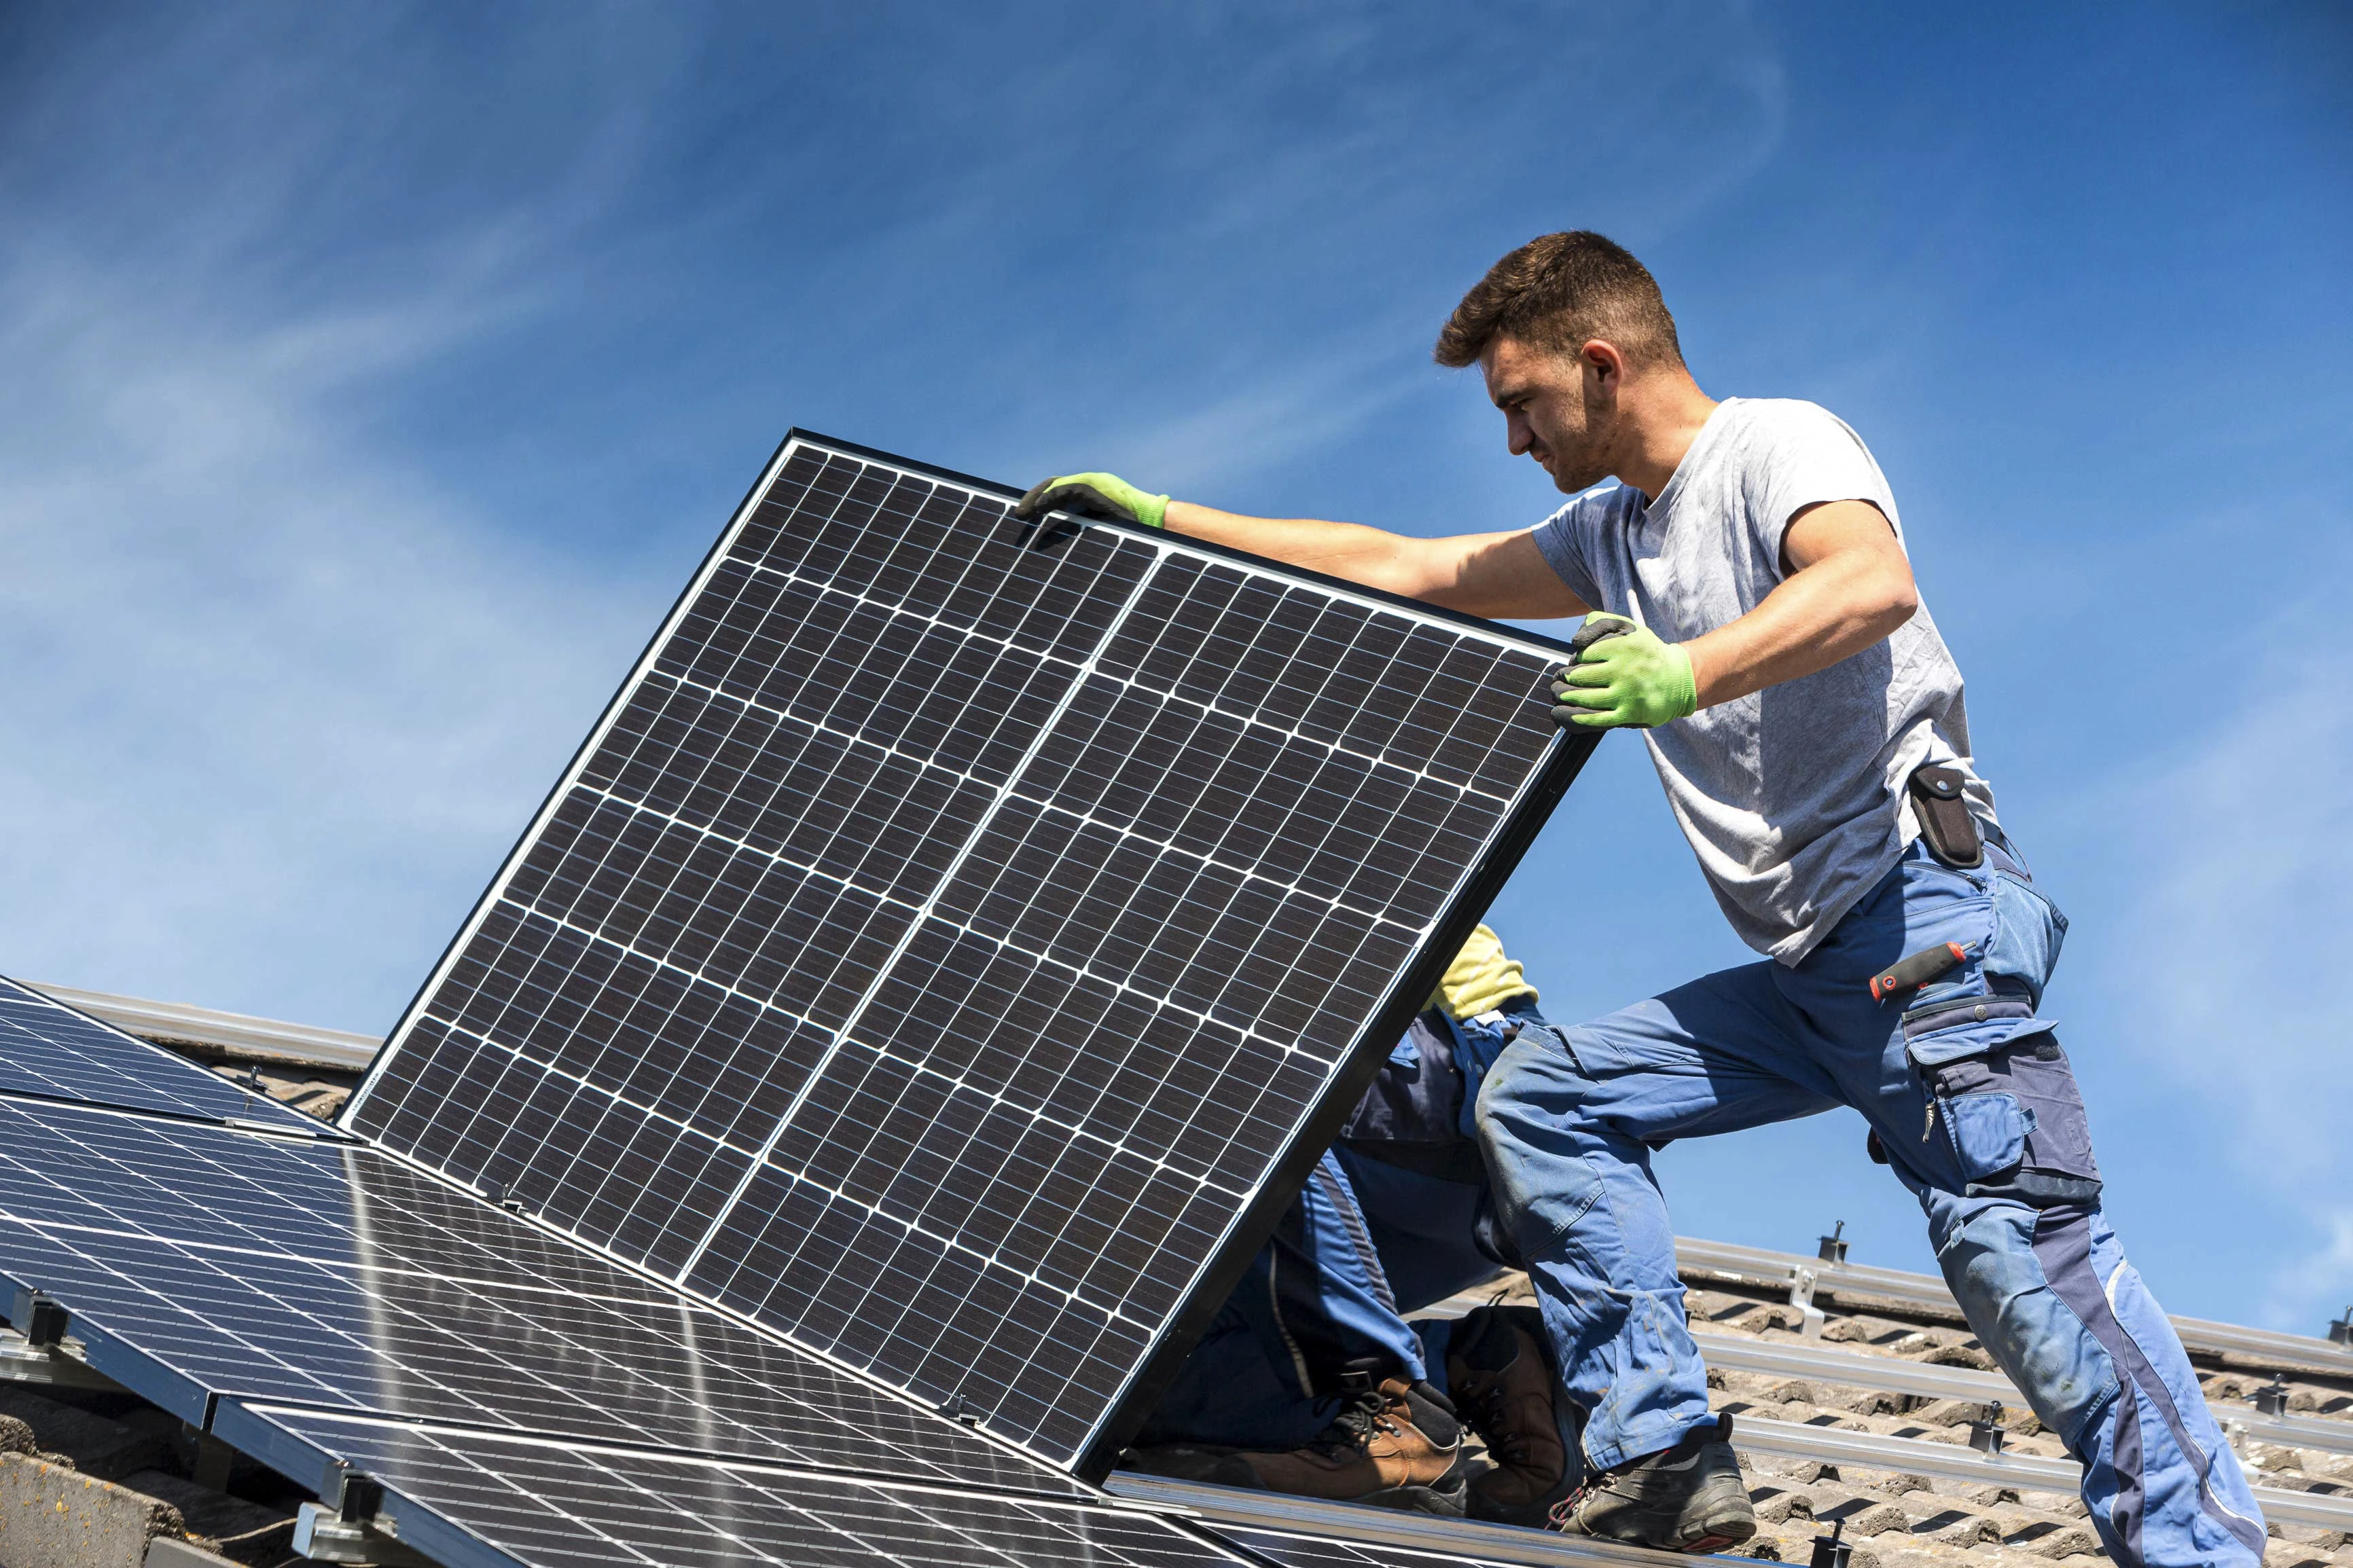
2003, 1095
1988, 1130
2027, 931
2059, 1167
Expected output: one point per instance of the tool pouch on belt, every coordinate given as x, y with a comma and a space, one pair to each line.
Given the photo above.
1943, 808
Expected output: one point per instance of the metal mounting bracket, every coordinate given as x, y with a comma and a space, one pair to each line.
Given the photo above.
36, 1347
1802, 1296
1985, 1436
348, 1528
322, 1537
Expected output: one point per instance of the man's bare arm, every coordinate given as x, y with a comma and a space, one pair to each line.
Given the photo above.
1849, 586
1500, 575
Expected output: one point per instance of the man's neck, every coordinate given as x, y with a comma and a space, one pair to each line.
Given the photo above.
1667, 412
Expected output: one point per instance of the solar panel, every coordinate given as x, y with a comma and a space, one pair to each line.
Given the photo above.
50, 1051
200, 1261
956, 938
1504, 1545
1314, 1533
473, 1500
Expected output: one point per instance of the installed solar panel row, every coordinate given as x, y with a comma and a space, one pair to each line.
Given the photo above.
50, 1051
204, 1262
949, 928
476, 1500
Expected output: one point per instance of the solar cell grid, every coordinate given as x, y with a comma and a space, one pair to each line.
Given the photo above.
50, 1051
936, 954
1087, 1131
515, 1501
343, 1278
736, 856
949, 928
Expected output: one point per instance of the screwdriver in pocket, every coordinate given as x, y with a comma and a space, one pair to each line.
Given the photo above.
1917, 970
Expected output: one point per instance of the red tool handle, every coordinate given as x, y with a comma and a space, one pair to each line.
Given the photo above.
1917, 970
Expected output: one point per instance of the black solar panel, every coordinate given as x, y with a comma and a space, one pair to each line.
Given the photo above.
50, 1051
200, 1261
952, 936
474, 1500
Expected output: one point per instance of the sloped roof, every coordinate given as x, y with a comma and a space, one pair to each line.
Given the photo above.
1901, 1365
1900, 1519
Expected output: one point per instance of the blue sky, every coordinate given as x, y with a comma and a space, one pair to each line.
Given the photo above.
377, 377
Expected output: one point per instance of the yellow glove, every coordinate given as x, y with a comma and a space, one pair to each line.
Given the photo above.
1482, 978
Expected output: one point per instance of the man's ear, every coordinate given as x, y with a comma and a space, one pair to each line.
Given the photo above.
1604, 361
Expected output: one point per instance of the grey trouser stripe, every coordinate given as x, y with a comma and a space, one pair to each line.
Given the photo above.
2062, 1245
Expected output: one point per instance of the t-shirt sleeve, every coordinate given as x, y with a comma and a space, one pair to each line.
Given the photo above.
1563, 539
1807, 456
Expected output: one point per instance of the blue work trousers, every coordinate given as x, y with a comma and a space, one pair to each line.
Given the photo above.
1315, 1303
1976, 1109
1367, 1241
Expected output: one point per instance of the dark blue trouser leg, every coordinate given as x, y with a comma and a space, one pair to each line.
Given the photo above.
1977, 1108
1315, 1302
1424, 1229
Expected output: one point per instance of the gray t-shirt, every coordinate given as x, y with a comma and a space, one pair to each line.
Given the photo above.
1793, 797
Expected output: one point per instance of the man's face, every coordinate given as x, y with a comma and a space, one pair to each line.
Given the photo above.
1554, 410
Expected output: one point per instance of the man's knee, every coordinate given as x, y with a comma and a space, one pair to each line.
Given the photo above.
1533, 1084
2005, 1288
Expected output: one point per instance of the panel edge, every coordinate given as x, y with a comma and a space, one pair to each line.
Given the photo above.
1478, 888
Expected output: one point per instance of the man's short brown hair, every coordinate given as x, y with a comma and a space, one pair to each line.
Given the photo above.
1558, 292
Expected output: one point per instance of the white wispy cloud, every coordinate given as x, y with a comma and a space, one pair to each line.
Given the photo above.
281, 686
2227, 978
2321, 1280
276, 700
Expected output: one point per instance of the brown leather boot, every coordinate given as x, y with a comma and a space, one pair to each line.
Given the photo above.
1393, 1445
1503, 1386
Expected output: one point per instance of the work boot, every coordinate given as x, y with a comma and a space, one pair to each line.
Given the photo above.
1392, 1444
1503, 1386
1689, 1498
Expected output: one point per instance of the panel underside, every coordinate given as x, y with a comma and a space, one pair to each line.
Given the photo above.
949, 928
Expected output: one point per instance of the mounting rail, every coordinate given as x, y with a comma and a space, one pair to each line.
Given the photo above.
235, 1035
1887, 1374
1758, 1264
1916, 1456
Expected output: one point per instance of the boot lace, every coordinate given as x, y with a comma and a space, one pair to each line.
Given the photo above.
1563, 1516
1486, 1412
1363, 1412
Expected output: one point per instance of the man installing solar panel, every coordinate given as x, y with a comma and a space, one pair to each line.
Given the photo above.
1752, 611
1310, 1380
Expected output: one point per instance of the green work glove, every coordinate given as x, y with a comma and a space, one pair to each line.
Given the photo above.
1094, 495
1624, 676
